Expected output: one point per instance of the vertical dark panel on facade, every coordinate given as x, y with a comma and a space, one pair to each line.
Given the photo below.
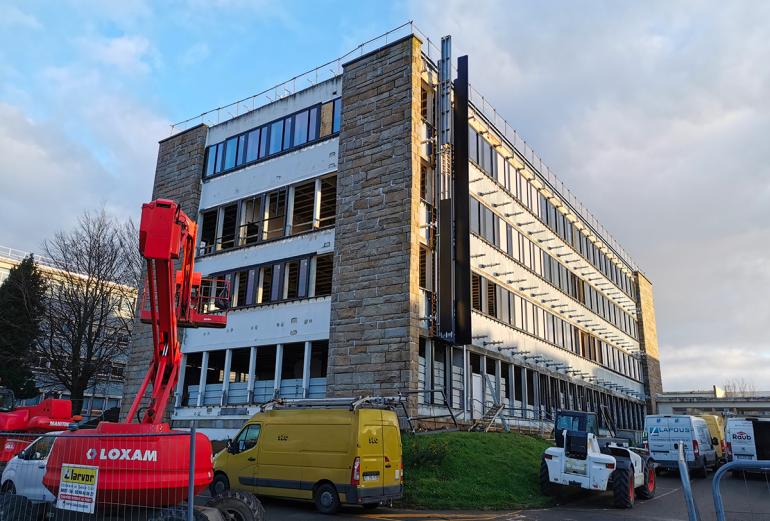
461, 207
445, 298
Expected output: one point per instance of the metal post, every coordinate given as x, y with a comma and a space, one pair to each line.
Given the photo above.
191, 474
692, 509
719, 506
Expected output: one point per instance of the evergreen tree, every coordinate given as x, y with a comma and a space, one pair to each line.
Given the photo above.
22, 309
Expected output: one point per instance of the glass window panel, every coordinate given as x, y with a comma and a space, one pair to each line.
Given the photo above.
276, 137
220, 156
264, 134
300, 128
323, 275
241, 150
328, 211
231, 146
337, 115
211, 159
287, 130
252, 146
312, 132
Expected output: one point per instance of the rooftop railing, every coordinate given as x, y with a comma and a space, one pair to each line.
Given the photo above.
333, 69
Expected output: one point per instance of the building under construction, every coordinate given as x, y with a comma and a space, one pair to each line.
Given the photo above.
383, 229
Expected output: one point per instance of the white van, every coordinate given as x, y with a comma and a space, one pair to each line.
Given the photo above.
665, 432
748, 438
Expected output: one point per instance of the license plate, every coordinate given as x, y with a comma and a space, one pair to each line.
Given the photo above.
371, 476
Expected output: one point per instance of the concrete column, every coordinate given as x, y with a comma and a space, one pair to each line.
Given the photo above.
202, 379
524, 398
289, 210
466, 379
278, 367
428, 370
448, 374
498, 374
536, 391
483, 397
306, 370
252, 373
311, 279
180, 382
511, 389
226, 377
317, 204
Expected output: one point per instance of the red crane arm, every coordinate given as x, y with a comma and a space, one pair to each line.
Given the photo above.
172, 299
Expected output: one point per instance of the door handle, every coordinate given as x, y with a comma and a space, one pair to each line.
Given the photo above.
41, 466
252, 459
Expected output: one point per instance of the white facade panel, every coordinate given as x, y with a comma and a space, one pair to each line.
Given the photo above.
314, 242
305, 163
286, 322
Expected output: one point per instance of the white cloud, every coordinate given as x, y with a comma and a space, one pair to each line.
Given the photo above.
130, 55
657, 117
14, 17
195, 54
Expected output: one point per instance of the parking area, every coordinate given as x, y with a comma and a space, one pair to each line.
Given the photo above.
746, 499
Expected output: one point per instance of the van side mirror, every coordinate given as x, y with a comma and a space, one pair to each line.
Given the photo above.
230, 447
714, 441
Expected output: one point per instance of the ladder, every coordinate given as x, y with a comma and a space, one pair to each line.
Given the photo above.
484, 423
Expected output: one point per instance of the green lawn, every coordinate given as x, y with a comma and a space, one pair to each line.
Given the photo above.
472, 470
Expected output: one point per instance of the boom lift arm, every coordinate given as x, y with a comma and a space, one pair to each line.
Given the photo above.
172, 299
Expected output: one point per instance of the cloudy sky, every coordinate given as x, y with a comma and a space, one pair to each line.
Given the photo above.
656, 114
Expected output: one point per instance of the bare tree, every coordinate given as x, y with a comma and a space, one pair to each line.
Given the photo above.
738, 386
92, 301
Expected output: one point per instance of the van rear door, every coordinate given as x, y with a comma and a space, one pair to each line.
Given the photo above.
393, 452
371, 442
740, 434
762, 438
659, 440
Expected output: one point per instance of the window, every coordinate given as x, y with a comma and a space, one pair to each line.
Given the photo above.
250, 231
215, 374
323, 275
231, 146
241, 149
287, 133
302, 214
300, 128
328, 210
241, 283
276, 214
208, 230
293, 361
312, 132
211, 159
491, 299
319, 358
265, 369
239, 365
476, 291
276, 137
266, 283
337, 115
327, 116
229, 221
247, 438
296, 279
252, 146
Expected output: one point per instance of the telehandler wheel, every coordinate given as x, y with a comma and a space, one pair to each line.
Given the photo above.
547, 488
623, 488
178, 513
647, 491
237, 505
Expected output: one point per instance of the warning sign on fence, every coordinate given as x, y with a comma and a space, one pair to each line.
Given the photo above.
77, 489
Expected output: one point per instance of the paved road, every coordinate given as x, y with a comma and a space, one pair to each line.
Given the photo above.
745, 500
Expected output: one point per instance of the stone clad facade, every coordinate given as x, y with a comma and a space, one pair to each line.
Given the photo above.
374, 329
649, 341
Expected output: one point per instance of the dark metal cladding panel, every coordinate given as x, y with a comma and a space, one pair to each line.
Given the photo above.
445, 301
461, 207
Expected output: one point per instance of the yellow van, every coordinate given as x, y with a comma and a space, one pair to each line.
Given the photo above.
716, 427
330, 456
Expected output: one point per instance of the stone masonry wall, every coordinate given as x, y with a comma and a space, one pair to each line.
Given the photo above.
648, 335
374, 333
177, 177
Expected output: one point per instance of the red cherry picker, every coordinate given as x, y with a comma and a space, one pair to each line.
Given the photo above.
147, 464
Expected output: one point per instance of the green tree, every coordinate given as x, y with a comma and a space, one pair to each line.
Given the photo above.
22, 309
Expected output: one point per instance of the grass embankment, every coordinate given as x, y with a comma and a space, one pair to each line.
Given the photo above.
473, 470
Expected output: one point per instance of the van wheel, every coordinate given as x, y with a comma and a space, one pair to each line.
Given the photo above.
326, 499
219, 484
623, 488
9, 487
647, 491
